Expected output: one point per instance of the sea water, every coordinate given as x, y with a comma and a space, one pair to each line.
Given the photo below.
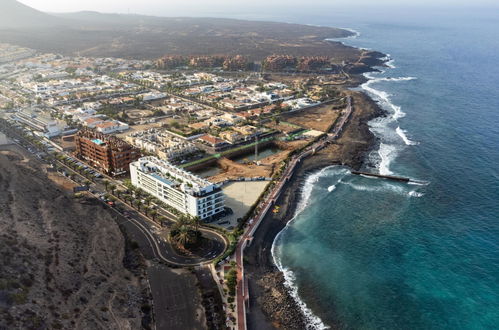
366, 253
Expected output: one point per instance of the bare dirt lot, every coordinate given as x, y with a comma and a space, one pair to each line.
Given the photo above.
232, 170
138, 113
318, 118
62, 259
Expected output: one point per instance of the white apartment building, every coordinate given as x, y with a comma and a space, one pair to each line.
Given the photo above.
176, 187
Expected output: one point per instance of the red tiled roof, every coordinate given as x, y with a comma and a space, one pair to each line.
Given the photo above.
213, 140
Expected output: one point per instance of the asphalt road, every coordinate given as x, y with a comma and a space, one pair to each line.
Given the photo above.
176, 299
144, 231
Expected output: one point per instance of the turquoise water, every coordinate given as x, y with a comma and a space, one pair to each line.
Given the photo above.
365, 253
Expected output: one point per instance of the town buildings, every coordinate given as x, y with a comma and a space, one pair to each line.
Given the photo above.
40, 122
108, 153
165, 145
178, 188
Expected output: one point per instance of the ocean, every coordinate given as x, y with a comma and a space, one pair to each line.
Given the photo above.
365, 253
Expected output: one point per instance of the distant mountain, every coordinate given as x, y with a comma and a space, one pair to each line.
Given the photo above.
91, 33
15, 15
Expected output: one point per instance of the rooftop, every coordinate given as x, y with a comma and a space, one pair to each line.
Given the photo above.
171, 175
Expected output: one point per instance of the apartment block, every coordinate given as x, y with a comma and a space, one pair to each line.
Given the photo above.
178, 188
107, 153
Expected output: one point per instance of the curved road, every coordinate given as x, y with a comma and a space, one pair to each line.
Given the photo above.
143, 230
149, 237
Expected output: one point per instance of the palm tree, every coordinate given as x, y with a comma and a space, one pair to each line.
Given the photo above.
106, 184
112, 187
195, 221
137, 203
183, 220
153, 214
181, 236
148, 200
127, 198
127, 183
161, 220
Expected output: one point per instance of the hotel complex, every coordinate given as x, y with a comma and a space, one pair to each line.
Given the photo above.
108, 153
176, 187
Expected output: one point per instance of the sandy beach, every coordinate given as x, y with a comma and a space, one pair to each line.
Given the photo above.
271, 306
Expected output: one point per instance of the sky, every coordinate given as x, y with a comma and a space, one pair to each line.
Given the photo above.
214, 7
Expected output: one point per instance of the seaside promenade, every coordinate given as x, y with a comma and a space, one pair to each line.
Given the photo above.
242, 292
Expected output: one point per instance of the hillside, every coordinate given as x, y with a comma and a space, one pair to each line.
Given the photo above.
15, 15
148, 37
63, 260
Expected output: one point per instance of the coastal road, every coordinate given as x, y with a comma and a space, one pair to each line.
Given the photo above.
242, 293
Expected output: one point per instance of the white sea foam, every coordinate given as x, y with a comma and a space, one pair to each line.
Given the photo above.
387, 153
383, 96
307, 188
388, 61
388, 150
369, 177
418, 183
415, 194
362, 187
384, 186
313, 321
390, 64
356, 33
402, 133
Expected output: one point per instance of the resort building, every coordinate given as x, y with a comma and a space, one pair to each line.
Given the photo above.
164, 144
107, 153
176, 187
40, 122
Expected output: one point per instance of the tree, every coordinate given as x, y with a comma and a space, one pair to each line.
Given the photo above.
137, 204
148, 200
153, 214
112, 187
162, 220
276, 120
195, 222
231, 281
139, 192
182, 236
106, 184
127, 198
128, 183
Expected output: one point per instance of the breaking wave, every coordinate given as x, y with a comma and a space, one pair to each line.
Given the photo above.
415, 194
386, 187
388, 149
402, 134
313, 321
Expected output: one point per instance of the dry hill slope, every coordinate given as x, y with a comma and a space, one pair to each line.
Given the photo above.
62, 260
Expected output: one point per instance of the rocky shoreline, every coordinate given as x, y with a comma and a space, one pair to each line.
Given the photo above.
271, 304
